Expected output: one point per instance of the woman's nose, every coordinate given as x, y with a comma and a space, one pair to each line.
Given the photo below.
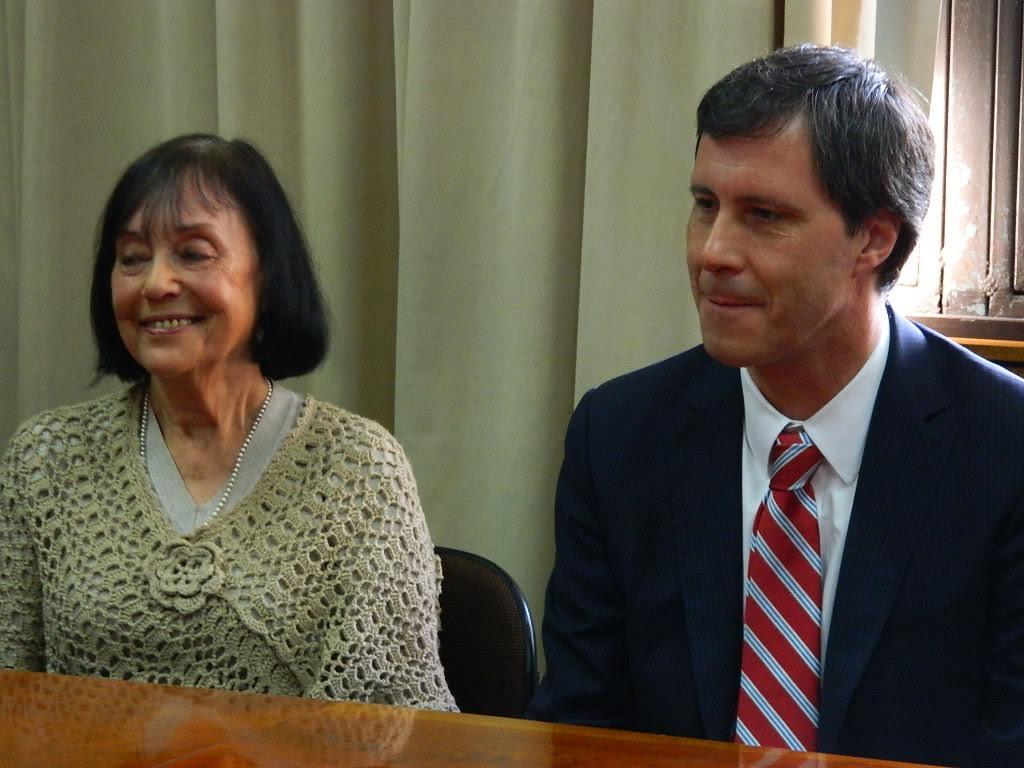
161, 278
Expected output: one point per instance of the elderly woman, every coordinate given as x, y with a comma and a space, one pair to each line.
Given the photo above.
207, 526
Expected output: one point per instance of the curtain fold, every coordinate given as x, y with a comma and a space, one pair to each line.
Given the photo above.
491, 202
495, 194
651, 64
348, 188
12, 36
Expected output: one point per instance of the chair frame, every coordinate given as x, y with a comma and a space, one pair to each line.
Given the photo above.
524, 615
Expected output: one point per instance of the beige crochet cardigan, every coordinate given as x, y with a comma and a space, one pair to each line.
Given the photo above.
322, 582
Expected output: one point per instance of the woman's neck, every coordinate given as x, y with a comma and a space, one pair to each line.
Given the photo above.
204, 425
191, 408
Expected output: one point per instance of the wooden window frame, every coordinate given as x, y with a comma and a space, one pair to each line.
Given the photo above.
974, 290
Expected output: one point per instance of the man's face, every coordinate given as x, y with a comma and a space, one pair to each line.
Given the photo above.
776, 277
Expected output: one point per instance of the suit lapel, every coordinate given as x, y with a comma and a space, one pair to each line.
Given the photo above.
907, 445
703, 474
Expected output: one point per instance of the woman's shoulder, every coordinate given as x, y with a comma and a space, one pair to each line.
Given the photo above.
88, 421
345, 427
347, 437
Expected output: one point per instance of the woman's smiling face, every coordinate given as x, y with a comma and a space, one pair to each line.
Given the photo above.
185, 287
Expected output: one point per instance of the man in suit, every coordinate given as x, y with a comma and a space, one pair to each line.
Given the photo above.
872, 606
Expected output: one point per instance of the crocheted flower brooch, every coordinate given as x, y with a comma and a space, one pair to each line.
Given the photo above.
184, 574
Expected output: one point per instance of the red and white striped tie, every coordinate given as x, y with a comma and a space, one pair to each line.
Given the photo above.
781, 666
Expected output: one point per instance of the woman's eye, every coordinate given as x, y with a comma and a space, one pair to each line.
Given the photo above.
194, 256
131, 260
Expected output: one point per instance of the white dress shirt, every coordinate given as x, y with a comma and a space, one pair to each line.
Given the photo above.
839, 429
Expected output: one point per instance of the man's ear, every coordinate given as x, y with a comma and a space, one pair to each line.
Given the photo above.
882, 228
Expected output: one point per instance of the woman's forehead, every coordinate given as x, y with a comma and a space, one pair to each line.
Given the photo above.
177, 203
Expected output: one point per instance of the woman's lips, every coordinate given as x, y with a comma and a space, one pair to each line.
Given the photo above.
168, 324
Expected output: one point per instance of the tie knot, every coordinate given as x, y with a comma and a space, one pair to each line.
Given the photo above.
793, 460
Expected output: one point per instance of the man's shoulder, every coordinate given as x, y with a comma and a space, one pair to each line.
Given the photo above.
679, 381
684, 367
929, 374
968, 375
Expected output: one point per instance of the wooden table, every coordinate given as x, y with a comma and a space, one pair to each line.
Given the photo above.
51, 721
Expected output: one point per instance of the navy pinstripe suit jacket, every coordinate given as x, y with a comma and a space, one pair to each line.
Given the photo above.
925, 662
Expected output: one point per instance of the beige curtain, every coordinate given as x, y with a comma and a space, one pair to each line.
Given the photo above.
495, 192
850, 23
901, 35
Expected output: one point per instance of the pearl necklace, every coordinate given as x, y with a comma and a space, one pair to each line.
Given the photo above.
144, 421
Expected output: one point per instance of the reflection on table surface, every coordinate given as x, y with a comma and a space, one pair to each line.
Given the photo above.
56, 721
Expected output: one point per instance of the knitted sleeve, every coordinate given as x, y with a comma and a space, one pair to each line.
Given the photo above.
380, 643
21, 636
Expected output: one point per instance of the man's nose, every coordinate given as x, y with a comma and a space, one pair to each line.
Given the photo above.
722, 245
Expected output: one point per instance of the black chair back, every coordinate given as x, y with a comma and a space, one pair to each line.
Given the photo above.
487, 643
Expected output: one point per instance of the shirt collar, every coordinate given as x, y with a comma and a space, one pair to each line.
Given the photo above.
839, 429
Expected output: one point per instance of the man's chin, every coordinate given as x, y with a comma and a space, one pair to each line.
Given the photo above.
729, 352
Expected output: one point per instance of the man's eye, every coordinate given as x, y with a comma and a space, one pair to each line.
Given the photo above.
765, 214
704, 203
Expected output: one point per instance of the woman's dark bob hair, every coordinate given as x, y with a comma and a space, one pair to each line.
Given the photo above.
290, 336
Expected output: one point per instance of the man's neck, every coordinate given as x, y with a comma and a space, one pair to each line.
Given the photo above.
801, 391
